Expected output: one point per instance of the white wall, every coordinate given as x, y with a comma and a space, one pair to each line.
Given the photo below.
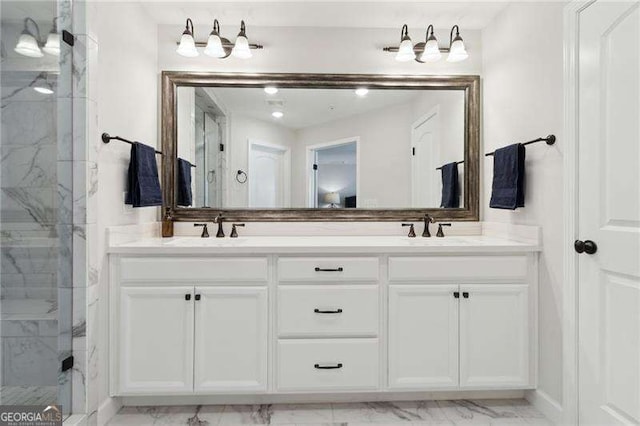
522, 100
127, 84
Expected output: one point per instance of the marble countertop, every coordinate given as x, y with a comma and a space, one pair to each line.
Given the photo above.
324, 244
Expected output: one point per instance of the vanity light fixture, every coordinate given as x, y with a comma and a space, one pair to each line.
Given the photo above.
187, 46
241, 48
405, 51
52, 46
28, 44
362, 91
277, 114
431, 50
271, 90
42, 85
214, 43
457, 51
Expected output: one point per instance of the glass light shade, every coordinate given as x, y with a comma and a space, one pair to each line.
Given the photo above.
44, 89
270, 90
52, 46
405, 51
214, 47
331, 198
241, 48
187, 46
28, 46
431, 51
457, 52
277, 114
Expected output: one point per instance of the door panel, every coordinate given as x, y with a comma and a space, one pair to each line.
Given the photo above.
267, 177
609, 213
231, 339
494, 336
156, 335
423, 336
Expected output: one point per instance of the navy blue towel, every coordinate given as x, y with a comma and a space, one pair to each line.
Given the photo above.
508, 178
184, 195
450, 186
143, 182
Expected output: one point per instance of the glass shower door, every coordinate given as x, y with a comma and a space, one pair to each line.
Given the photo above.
35, 269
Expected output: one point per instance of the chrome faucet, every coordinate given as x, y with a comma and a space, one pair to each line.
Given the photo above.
205, 231
219, 220
427, 220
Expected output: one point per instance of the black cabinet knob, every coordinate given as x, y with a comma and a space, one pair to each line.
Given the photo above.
586, 246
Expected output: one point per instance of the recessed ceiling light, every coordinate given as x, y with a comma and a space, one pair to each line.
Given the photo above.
270, 90
43, 90
277, 114
362, 91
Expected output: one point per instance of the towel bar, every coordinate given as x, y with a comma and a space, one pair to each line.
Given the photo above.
106, 138
457, 162
550, 140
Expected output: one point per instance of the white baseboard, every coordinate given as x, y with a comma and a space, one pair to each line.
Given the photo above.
546, 405
303, 398
108, 409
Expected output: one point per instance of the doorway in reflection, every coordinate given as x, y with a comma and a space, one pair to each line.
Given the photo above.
333, 174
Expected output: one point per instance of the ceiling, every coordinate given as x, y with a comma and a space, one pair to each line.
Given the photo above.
353, 14
307, 107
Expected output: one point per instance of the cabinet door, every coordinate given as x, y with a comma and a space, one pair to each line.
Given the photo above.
494, 336
156, 339
423, 336
231, 339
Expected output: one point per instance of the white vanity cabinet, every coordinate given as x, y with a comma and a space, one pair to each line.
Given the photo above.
185, 325
274, 322
462, 322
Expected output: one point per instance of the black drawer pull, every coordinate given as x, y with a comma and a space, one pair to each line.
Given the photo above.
465, 294
456, 294
198, 297
328, 367
187, 297
340, 269
318, 311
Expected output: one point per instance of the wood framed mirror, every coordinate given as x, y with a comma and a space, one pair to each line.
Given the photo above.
318, 147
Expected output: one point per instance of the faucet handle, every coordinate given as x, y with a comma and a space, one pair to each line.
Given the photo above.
427, 220
234, 231
205, 231
440, 231
412, 232
219, 220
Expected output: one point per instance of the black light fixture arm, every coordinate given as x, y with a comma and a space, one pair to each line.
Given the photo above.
457, 29
404, 33
243, 29
35, 25
429, 35
216, 28
186, 29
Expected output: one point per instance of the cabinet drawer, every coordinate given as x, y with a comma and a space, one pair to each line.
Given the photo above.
345, 364
230, 269
459, 267
328, 269
328, 311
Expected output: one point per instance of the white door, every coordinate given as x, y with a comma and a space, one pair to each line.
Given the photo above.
156, 339
494, 336
608, 283
425, 179
269, 176
423, 336
231, 339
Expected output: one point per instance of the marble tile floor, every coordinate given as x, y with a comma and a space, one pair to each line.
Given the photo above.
460, 412
28, 395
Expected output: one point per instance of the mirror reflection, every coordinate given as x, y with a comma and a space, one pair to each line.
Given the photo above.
320, 148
